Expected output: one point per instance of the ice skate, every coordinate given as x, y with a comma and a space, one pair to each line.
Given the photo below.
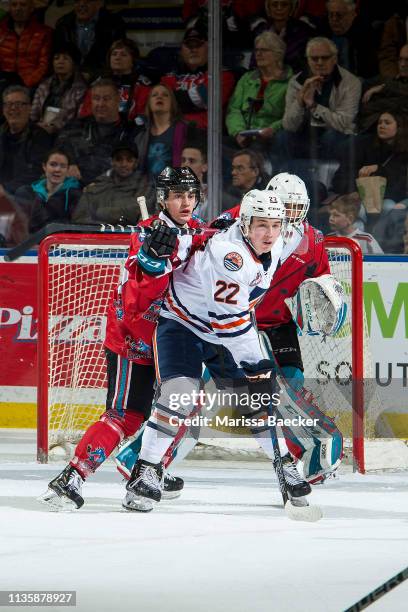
144, 487
65, 491
295, 484
172, 486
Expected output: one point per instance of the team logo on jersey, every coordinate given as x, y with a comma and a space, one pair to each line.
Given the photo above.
96, 455
233, 261
256, 280
152, 313
138, 349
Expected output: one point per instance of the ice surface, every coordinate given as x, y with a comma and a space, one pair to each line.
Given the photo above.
225, 545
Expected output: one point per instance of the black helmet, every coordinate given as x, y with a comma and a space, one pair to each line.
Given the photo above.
176, 179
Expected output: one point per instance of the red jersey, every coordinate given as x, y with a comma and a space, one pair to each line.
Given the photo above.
308, 259
136, 303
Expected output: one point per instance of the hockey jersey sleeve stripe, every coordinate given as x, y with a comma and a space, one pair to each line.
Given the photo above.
230, 325
173, 294
172, 308
237, 333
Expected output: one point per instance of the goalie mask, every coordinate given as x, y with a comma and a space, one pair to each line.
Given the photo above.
293, 193
257, 203
178, 180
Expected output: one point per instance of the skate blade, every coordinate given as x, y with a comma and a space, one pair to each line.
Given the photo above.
56, 503
137, 503
309, 514
170, 494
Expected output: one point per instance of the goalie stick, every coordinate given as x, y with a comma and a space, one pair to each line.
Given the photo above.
57, 228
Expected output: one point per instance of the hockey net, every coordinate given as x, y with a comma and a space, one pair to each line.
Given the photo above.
77, 274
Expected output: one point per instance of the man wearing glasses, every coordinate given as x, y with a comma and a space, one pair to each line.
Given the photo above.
321, 104
22, 144
354, 38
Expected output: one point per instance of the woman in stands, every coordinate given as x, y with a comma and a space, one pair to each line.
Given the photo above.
57, 98
134, 87
161, 142
53, 197
258, 101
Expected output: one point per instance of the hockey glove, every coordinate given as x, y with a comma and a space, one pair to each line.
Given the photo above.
222, 223
156, 249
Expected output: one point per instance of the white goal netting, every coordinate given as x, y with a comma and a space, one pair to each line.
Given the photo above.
80, 279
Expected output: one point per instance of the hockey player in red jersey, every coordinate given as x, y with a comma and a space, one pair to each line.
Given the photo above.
131, 322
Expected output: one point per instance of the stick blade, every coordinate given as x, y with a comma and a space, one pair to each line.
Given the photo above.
309, 514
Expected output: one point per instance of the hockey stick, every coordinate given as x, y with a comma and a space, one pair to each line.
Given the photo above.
374, 595
309, 512
56, 228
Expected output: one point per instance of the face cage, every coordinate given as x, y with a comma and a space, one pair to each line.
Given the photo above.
162, 193
297, 213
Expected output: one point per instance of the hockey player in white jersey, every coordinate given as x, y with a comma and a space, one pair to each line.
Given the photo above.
207, 311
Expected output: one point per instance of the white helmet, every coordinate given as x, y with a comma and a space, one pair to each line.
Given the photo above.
260, 203
291, 190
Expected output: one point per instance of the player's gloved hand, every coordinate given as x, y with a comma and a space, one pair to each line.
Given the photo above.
161, 242
261, 376
222, 224
156, 248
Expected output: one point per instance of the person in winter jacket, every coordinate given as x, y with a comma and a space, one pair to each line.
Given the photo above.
57, 98
52, 198
25, 44
22, 144
112, 197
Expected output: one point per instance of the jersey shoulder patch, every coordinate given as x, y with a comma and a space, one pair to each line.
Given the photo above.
233, 261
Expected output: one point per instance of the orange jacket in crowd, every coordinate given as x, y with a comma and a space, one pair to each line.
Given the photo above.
29, 54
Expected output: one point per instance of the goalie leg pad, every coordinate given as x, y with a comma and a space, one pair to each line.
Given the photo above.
320, 448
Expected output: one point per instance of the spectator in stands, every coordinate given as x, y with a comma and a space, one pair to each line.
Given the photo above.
189, 80
236, 15
52, 198
394, 36
57, 98
321, 104
342, 218
112, 197
258, 101
194, 155
134, 87
386, 94
247, 172
22, 144
294, 33
91, 140
92, 29
161, 142
383, 154
25, 44
354, 38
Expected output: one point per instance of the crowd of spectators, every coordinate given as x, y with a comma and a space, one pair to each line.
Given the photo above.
314, 87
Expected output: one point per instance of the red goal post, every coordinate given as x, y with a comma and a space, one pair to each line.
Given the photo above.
77, 274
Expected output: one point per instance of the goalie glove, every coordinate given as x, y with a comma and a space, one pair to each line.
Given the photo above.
319, 306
